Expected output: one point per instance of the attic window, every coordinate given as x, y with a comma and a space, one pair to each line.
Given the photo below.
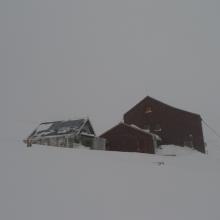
148, 110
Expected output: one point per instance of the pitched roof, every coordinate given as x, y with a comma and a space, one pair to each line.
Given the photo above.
59, 127
134, 127
164, 104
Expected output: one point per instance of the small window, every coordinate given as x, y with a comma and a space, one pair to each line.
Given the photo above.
148, 110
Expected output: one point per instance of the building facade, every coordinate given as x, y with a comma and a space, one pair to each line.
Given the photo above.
172, 125
71, 133
130, 138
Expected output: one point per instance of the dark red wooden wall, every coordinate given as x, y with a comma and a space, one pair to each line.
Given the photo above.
128, 139
176, 126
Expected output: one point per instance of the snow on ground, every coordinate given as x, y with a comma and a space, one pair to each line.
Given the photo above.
51, 183
172, 150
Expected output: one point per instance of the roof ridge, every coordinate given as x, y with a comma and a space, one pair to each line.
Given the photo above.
158, 101
132, 127
73, 119
170, 106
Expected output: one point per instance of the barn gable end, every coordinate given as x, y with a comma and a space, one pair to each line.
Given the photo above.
173, 125
128, 138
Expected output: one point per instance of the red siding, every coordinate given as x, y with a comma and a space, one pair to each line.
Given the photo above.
128, 139
176, 125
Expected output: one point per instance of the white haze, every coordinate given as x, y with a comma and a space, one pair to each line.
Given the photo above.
67, 59
97, 58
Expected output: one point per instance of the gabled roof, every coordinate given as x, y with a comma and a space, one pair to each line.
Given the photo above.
157, 137
60, 128
148, 98
133, 127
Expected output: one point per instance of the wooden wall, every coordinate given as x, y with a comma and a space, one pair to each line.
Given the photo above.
125, 138
174, 126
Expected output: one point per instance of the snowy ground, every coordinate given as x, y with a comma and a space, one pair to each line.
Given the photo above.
53, 183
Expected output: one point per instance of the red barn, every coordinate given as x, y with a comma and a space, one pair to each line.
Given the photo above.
130, 138
172, 125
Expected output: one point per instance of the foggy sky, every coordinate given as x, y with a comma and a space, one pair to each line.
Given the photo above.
98, 58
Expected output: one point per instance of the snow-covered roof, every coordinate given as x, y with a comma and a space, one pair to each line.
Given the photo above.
157, 137
59, 128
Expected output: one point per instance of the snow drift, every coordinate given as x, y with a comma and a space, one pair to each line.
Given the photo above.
57, 183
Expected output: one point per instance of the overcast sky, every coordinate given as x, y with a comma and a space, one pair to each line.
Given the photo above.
97, 58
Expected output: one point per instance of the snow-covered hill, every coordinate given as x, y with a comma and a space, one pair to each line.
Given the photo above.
50, 183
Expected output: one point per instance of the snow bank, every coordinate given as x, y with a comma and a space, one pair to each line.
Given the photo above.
58, 183
173, 150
